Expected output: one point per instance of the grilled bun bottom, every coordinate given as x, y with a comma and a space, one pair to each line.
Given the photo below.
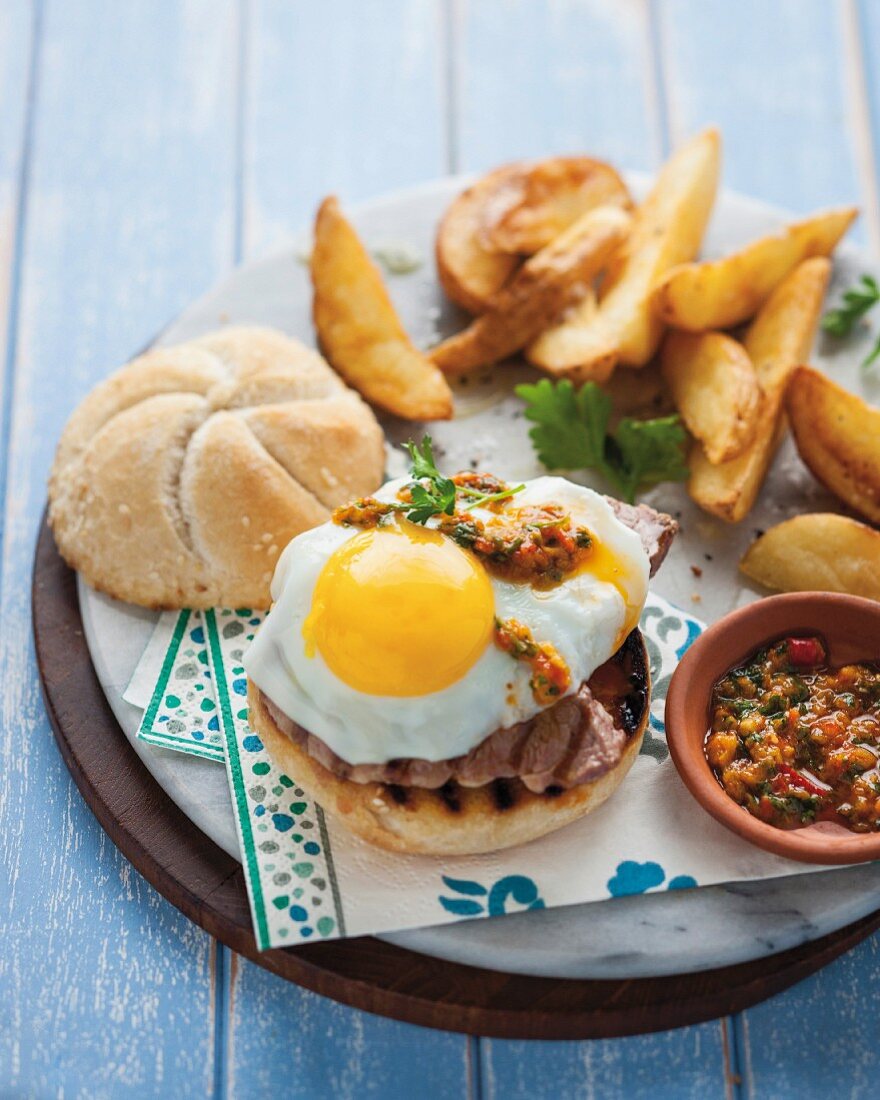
456, 820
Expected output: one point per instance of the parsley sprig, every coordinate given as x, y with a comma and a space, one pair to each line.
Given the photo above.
857, 301
571, 433
433, 494
438, 496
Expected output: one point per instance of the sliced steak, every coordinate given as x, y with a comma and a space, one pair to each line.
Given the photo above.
570, 743
655, 529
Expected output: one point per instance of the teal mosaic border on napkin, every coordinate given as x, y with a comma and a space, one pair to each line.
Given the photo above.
182, 711
288, 861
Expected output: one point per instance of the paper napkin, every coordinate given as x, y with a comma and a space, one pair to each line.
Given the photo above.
180, 709
309, 878
288, 857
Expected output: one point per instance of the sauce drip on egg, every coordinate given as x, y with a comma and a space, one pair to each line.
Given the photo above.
608, 567
400, 610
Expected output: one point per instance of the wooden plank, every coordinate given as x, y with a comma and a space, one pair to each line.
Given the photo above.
819, 1038
104, 986
534, 78
348, 98
531, 80
342, 97
785, 83
17, 63
317, 1048
861, 22
685, 1063
771, 77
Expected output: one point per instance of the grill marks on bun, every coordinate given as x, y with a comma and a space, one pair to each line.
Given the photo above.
452, 819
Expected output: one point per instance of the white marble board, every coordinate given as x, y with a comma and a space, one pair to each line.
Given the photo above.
647, 935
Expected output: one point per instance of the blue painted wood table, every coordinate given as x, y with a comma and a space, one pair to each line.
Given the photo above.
145, 148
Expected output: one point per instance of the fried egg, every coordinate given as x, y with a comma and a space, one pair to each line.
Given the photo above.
380, 640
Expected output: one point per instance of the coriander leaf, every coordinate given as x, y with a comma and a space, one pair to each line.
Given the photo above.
422, 456
648, 451
856, 303
438, 495
571, 432
595, 409
570, 425
424, 504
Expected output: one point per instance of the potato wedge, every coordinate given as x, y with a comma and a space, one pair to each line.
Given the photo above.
579, 348
838, 437
715, 389
642, 393
547, 199
359, 330
821, 552
777, 340
542, 288
667, 230
470, 273
722, 293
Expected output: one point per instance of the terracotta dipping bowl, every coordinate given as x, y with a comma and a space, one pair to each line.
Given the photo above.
850, 627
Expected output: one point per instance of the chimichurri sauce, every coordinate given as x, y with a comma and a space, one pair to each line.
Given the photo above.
795, 741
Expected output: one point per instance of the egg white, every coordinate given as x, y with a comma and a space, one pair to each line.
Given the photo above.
582, 617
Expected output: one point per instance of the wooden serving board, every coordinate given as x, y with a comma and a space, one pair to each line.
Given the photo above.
207, 885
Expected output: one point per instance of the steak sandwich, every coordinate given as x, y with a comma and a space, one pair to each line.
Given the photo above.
465, 673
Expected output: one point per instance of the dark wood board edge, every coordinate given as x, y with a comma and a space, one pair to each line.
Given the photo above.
207, 885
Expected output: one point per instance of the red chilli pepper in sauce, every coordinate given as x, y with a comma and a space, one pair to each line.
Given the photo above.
795, 741
799, 780
805, 652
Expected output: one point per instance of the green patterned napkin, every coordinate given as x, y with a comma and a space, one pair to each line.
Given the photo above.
181, 713
309, 878
288, 865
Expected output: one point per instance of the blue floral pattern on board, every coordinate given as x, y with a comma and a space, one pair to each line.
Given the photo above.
493, 902
638, 878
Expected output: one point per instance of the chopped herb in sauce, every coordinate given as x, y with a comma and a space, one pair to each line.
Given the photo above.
550, 677
534, 544
795, 741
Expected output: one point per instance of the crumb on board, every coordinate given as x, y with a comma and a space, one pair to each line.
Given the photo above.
696, 570
696, 597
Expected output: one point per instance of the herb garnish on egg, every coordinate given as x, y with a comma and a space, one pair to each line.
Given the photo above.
440, 493
536, 544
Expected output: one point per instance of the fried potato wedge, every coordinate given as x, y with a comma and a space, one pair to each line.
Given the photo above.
579, 348
715, 389
838, 437
539, 204
820, 552
642, 393
359, 330
470, 272
776, 341
722, 293
542, 288
667, 230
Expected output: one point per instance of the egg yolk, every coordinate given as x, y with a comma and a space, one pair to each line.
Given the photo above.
400, 611
605, 566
